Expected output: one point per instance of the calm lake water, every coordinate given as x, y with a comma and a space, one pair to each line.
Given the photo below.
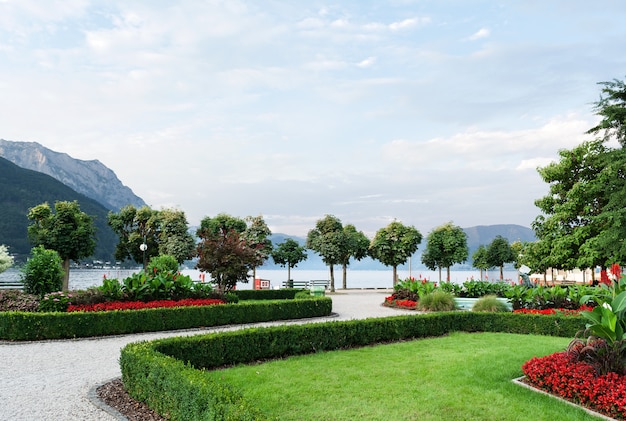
84, 278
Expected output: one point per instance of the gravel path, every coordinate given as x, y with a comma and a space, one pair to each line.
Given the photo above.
53, 380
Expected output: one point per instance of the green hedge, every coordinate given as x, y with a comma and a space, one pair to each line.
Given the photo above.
267, 294
24, 326
166, 373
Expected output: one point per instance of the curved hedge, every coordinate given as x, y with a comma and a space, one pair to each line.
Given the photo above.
24, 326
167, 373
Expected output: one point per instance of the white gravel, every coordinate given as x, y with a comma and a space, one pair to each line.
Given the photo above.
52, 380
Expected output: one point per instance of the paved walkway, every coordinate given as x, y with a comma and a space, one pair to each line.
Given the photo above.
52, 380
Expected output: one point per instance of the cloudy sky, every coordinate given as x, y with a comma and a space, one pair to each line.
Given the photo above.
420, 111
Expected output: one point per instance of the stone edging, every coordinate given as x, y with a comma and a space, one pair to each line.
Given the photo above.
518, 381
99, 403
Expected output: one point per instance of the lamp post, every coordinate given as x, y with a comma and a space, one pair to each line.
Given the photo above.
143, 247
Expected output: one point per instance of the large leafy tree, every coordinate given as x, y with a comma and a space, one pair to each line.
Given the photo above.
327, 240
500, 252
583, 218
612, 108
289, 253
67, 230
394, 244
225, 252
356, 246
134, 227
446, 245
163, 231
174, 236
258, 233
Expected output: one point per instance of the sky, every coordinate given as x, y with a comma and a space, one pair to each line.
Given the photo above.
418, 111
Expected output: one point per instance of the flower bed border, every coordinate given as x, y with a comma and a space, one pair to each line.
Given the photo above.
520, 382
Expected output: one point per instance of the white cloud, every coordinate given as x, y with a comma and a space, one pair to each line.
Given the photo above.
480, 34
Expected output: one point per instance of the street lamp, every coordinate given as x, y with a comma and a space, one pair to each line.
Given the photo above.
143, 247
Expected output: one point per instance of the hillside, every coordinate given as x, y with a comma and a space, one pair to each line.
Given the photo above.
22, 189
482, 234
90, 178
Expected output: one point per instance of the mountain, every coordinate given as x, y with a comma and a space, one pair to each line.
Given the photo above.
22, 189
91, 178
476, 236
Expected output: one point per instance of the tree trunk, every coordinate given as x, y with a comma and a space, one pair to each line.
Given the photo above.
481, 274
66, 274
288, 274
332, 278
448, 274
395, 276
439, 273
345, 276
502, 272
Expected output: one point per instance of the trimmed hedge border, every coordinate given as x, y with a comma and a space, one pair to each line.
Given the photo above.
24, 326
167, 373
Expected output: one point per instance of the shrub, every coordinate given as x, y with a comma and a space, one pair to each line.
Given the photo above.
490, 303
437, 301
43, 272
55, 301
16, 300
162, 263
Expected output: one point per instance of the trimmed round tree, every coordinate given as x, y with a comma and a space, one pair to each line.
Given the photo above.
394, 244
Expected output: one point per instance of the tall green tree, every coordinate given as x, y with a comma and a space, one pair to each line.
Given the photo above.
289, 253
258, 233
164, 231
479, 260
327, 240
612, 108
356, 246
134, 227
6, 260
446, 245
174, 236
394, 244
225, 252
500, 252
583, 219
68, 231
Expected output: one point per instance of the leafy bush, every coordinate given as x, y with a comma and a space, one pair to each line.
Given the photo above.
55, 301
490, 303
452, 288
16, 300
162, 263
476, 288
43, 272
413, 289
437, 301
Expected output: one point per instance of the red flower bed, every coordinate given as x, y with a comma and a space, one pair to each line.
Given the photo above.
136, 305
578, 382
392, 302
548, 311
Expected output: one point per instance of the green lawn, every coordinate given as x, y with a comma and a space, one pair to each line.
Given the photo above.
459, 377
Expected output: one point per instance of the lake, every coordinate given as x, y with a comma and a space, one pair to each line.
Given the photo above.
85, 278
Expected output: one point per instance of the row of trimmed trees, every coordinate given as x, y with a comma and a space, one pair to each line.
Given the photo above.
230, 247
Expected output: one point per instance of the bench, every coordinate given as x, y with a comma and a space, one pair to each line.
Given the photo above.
11, 285
307, 284
295, 284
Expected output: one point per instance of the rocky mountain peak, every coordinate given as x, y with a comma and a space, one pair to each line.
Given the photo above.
91, 178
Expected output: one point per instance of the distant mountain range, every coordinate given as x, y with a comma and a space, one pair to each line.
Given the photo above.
22, 189
91, 178
31, 174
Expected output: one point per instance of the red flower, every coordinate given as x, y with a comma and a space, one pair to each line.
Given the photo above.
136, 305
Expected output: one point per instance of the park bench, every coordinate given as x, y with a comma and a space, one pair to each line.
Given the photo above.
307, 284
11, 285
295, 284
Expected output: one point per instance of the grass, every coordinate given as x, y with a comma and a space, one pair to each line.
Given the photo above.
459, 377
